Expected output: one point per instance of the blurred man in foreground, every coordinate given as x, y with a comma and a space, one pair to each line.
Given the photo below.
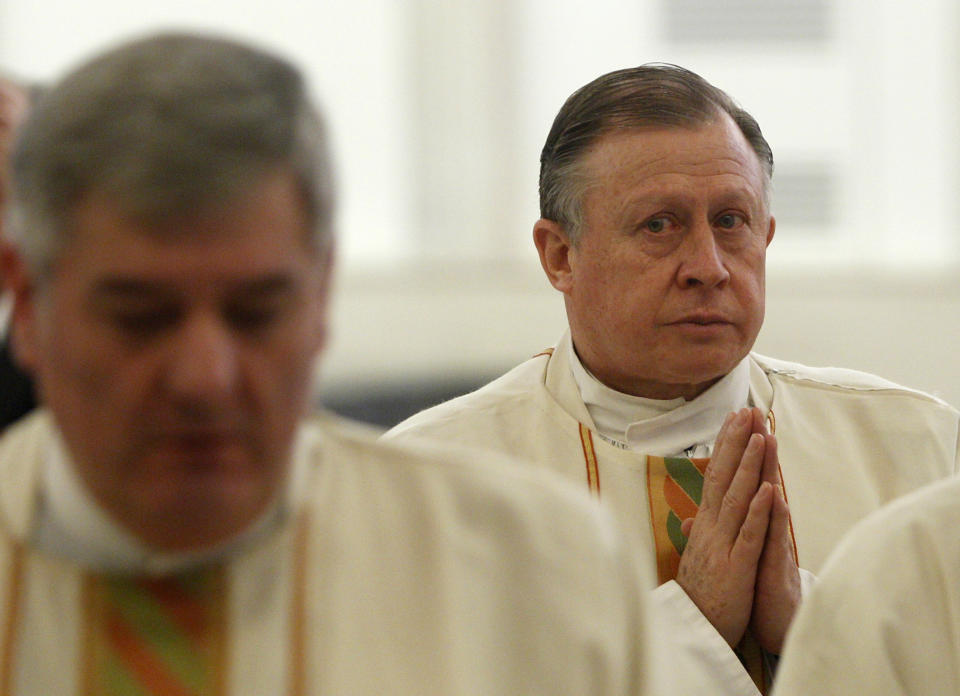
655, 220
170, 520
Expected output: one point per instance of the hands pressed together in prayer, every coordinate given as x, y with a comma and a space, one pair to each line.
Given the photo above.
739, 566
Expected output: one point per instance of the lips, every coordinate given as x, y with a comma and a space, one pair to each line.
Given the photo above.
702, 319
205, 438
197, 440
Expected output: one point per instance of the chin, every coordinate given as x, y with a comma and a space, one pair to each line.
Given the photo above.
703, 373
708, 362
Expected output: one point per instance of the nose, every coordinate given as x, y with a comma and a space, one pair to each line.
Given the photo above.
701, 264
203, 363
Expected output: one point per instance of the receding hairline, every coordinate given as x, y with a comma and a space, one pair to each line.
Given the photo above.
657, 95
719, 119
584, 178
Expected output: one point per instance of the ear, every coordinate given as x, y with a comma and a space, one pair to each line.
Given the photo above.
773, 227
555, 251
18, 283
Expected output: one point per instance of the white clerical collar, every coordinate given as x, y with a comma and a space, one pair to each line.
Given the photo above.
70, 523
662, 427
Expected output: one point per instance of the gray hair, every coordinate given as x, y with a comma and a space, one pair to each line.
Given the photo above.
163, 126
651, 95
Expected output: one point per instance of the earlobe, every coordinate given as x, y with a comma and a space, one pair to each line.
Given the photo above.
773, 227
555, 251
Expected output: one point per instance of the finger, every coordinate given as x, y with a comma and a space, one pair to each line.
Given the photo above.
736, 502
686, 526
751, 538
725, 462
771, 463
759, 424
723, 429
779, 540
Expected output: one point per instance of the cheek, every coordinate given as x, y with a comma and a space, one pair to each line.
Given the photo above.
750, 289
288, 371
83, 366
65, 358
749, 268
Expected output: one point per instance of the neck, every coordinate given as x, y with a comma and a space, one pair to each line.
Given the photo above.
650, 389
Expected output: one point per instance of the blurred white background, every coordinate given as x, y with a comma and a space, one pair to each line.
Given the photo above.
438, 110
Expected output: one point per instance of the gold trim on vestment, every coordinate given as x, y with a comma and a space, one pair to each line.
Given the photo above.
298, 607
590, 458
12, 616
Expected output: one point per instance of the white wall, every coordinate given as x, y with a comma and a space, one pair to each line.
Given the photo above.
438, 111
351, 52
472, 322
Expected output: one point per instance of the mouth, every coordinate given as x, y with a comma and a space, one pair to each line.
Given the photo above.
702, 320
201, 442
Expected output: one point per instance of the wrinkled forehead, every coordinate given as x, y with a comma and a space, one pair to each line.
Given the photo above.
714, 153
264, 231
211, 213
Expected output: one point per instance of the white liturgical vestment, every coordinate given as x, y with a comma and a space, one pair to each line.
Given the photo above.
386, 569
848, 442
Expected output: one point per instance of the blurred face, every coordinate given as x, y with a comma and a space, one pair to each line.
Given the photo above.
665, 289
178, 360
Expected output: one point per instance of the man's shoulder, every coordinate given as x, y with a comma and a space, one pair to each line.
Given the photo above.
26, 436
888, 575
932, 508
22, 448
908, 532
340, 442
837, 380
499, 401
430, 475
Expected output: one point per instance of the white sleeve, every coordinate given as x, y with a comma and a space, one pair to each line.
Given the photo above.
807, 581
700, 661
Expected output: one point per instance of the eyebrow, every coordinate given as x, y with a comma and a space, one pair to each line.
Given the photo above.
131, 288
272, 284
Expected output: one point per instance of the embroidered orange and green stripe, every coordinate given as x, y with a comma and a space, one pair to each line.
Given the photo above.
683, 490
157, 636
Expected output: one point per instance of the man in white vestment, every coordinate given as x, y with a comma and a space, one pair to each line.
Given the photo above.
884, 617
171, 519
655, 192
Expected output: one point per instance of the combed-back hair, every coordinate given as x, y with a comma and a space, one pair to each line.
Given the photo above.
164, 126
655, 95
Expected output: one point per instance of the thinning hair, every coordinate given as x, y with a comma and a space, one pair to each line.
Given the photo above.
655, 95
165, 126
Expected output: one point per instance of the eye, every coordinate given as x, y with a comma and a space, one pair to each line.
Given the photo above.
729, 221
143, 323
251, 319
257, 315
658, 225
